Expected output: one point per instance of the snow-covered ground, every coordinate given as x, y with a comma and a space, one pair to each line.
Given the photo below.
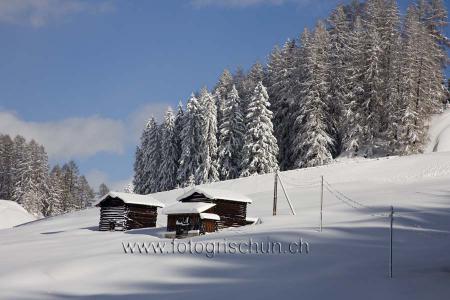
66, 257
439, 133
12, 214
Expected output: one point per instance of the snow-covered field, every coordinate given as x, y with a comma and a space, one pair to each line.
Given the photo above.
66, 257
12, 214
439, 133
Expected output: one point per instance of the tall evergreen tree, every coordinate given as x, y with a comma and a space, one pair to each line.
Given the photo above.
260, 149
152, 158
231, 137
190, 141
208, 168
313, 144
353, 122
169, 153
221, 91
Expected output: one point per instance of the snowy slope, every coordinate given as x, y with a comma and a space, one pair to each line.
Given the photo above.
439, 133
12, 214
66, 258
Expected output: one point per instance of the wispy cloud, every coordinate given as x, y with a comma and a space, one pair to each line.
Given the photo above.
38, 13
69, 138
74, 138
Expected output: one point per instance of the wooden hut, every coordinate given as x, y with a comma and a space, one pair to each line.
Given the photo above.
123, 211
190, 219
230, 206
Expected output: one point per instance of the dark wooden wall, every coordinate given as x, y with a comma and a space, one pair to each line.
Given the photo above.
232, 213
112, 218
125, 216
141, 216
209, 225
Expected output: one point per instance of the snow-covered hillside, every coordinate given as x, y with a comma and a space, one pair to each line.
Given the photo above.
439, 133
12, 214
66, 257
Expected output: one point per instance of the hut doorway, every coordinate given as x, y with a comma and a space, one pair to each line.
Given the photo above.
112, 226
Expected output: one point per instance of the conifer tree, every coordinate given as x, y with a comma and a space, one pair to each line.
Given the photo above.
231, 137
169, 153
190, 141
152, 158
260, 149
208, 168
313, 144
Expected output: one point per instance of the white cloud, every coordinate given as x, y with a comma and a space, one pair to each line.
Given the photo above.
74, 138
69, 138
38, 13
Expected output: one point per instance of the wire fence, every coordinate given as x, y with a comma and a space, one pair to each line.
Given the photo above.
366, 209
353, 203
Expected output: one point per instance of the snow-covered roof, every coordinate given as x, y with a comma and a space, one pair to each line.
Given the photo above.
187, 208
133, 199
216, 194
209, 216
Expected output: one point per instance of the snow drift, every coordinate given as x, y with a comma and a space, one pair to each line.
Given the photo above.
439, 133
12, 214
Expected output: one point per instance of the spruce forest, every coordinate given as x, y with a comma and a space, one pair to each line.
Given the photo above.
26, 178
364, 82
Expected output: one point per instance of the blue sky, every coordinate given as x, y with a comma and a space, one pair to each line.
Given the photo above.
83, 76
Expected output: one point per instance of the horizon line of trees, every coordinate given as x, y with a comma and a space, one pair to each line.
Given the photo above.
364, 82
26, 178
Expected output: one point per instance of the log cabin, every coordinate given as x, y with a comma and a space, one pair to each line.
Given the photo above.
230, 206
190, 219
124, 211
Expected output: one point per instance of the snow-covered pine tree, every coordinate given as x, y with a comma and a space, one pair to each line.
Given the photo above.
139, 178
313, 144
231, 137
239, 81
21, 170
70, 174
40, 177
56, 192
208, 170
353, 132
169, 153
434, 18
152, 157
260, 149
339, 57
179, 125
85, 195
221, 91
418, 101
391, 65
284, 77
129, 189
254, 76
190, 141
6, 167
373, 80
